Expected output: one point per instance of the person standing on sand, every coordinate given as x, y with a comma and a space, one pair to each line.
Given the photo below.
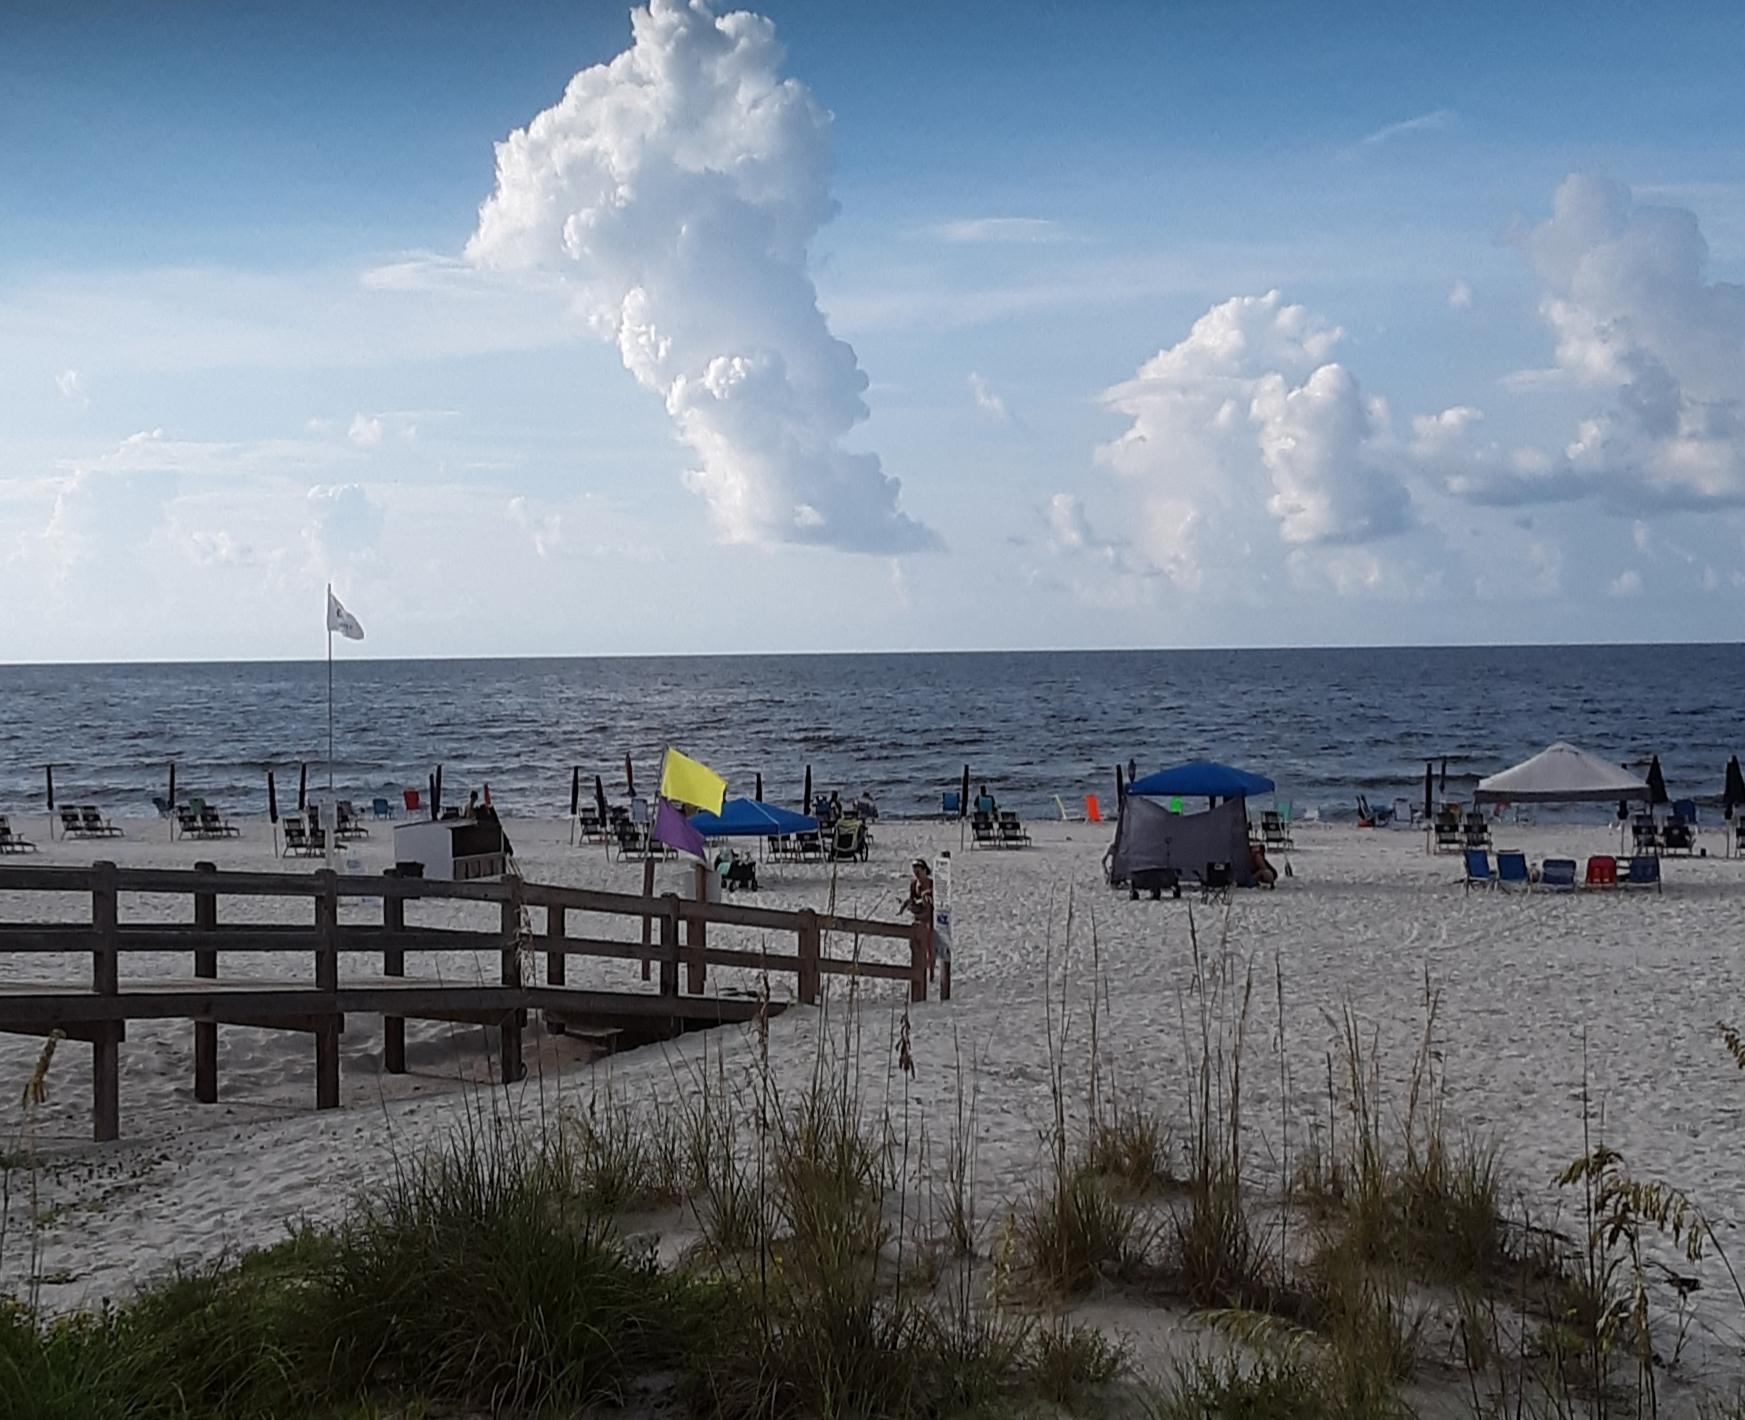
919, 903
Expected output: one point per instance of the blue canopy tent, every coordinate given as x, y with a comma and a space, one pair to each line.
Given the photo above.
1201, 779
747, 818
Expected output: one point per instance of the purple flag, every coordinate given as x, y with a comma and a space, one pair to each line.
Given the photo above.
675, 830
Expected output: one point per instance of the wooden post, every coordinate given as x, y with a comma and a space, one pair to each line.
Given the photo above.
394, 964
206, 969
809, 953
647, 923
327, 980
555, 960
514, 1067
669, 941
697, 936
919, 942
106, 981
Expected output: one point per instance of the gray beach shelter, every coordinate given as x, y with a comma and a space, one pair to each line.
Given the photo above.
1147, 835
1561, 774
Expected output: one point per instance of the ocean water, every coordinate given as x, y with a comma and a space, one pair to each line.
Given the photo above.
1326, 724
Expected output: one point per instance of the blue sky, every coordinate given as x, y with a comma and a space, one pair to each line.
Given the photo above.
254, 335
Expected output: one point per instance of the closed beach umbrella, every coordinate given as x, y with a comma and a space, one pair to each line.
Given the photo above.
759, 794
272, 799
575, 790
49, 783
963, 796
1656, 783
629, 778
1733, 794
806, 795
172, 785
1120, 785
1429, 791
600, 797
436, 793
1443, 786
302, 786
430, 796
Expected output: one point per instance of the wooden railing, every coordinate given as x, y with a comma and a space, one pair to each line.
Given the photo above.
674, 933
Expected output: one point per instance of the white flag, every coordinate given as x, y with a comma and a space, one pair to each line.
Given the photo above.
341, 620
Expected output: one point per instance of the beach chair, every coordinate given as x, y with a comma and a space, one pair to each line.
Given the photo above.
346, 824
303, 842
1275, 831
1602, 871
95, 825
1678, 838
1093, 810
1012, 832
1512, 869
982, 831
1557, 875
848, 841
1475, 832
1216, 882
632, 841
214, 825
71, 825
1644, 872
809, 846
1156, 881
1644, 834
410, 798
1479, 872
984, 804
164, 807
1448, 838
381, 808
951, 803
1066, 814
10, 842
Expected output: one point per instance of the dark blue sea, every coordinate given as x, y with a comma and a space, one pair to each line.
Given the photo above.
1326, 724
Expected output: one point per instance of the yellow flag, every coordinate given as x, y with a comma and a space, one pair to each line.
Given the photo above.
684, 781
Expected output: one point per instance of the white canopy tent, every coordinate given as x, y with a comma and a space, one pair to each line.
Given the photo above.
1562, 774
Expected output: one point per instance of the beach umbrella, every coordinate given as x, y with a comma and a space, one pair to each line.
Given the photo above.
806, 795
272, 799
436, 793
600, 797
49, 784
575, 790
1429, 792
302, 786
963, 795
759, 794
1733, 794
1442, 787
172, 800
1656, 783
1120, 785
629, 778
430, 794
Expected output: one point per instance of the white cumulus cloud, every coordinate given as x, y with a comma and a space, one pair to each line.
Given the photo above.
988, 400
1246, 438
677, 190
366, 431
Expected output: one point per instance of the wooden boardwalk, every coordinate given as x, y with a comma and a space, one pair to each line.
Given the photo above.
674, 934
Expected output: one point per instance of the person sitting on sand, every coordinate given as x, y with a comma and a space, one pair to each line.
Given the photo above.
1264, 873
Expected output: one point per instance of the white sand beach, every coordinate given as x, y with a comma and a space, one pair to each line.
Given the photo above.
1538, 992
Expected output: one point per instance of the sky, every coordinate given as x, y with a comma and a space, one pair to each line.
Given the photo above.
567, 329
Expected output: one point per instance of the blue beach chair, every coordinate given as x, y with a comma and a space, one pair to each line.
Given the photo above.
1644, 872
951, 804
1512, 869
1479, 872
1558, 875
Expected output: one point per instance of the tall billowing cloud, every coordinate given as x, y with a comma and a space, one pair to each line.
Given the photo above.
1246, 438
678, 189
1632, 313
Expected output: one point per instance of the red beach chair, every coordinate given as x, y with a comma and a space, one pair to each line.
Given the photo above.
412, 800
1602, 871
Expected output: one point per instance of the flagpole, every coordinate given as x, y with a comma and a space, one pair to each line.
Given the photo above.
327, 616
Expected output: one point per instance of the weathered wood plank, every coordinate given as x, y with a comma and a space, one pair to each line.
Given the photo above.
206, 967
